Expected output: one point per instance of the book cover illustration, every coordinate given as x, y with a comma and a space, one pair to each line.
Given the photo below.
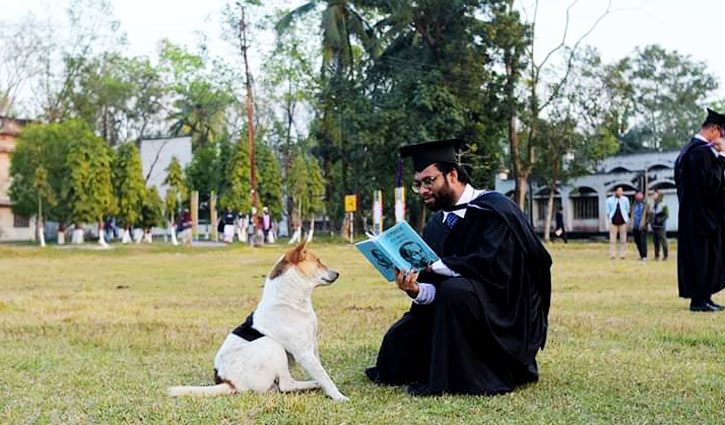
401, 247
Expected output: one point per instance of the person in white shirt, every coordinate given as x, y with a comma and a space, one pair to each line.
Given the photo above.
618, 214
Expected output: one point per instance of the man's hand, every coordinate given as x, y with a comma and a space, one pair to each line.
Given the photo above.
407, 282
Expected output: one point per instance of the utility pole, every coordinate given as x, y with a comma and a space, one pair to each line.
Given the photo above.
250, 119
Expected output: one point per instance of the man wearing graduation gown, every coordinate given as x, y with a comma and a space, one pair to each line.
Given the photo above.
479, 314
701, 192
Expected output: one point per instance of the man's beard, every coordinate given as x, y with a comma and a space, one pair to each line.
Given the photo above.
445, 198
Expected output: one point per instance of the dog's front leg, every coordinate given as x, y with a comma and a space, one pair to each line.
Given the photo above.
312, 365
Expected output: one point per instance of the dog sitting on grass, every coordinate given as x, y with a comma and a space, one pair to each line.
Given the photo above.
254, 355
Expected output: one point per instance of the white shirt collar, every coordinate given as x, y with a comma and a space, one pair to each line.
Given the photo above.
468, 195
698, 136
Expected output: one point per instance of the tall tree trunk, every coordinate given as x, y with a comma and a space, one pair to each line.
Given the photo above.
172, 230
550, 204
39, 228
311, 232
101, 236
61, 233
126, 238
77, 238
520, 176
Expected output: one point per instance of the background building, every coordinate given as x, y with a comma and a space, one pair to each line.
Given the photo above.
12, 227
584, 198
156, 154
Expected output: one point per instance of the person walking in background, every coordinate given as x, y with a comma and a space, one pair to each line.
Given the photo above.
701, 191
184, 227
559, 229
640, 219
658, 222
228, 226
618, 214
266, 223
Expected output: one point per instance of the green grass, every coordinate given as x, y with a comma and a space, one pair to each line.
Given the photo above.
92, 336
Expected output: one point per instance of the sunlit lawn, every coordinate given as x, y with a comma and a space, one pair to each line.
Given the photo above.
92, 336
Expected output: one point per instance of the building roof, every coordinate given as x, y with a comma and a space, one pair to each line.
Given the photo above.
637, 162
11, 126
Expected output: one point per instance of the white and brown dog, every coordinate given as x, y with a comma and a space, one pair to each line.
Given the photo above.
254, 356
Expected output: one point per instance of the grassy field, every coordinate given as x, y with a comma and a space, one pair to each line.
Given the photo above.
96, 336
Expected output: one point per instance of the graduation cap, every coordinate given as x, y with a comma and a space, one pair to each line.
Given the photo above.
425, 154
714, 118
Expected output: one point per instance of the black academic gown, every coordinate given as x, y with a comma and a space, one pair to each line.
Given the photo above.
483, 330
701, 193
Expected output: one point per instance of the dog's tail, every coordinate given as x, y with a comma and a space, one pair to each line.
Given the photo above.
204, 391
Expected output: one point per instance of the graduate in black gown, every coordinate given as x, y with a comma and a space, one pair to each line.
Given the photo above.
479, 314
701, 226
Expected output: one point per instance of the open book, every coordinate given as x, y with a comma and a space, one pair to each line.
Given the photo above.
401, 247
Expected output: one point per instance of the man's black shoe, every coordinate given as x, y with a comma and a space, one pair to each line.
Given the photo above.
422, 390
373, 374
714, 304
703, 307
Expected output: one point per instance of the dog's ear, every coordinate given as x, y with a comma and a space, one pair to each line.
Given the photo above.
299, 253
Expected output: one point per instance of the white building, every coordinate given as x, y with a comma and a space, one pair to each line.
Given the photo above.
156, 156
583, 198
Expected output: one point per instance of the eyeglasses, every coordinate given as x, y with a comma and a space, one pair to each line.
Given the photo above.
424, 183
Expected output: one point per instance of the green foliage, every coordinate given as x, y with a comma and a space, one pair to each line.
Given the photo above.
129, 184
44, 146
152, 209
269, 185
176, 190
200, 100
670, 90
237, 195
90, 193
340, 23
203, 173
117, 96
43, 191
306, 186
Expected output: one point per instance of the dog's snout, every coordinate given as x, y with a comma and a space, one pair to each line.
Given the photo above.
333, 275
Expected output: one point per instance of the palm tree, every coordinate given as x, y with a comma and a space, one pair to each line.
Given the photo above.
340, 22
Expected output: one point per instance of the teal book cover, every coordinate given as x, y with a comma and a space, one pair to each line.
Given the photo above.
401, 247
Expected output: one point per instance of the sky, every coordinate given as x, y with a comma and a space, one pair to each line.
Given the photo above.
673, 24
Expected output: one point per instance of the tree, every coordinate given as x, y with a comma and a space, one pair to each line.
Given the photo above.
306, 187
118, 96
90, 193
522, 152
92, 31
341, 25
437, 77
19, 60
289, 83
581, 127
152, 212
670, 93
43, 192
176, 193
340, 22
270, 181
46, 146
237, 195
199, 101
203, 173
129, 187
